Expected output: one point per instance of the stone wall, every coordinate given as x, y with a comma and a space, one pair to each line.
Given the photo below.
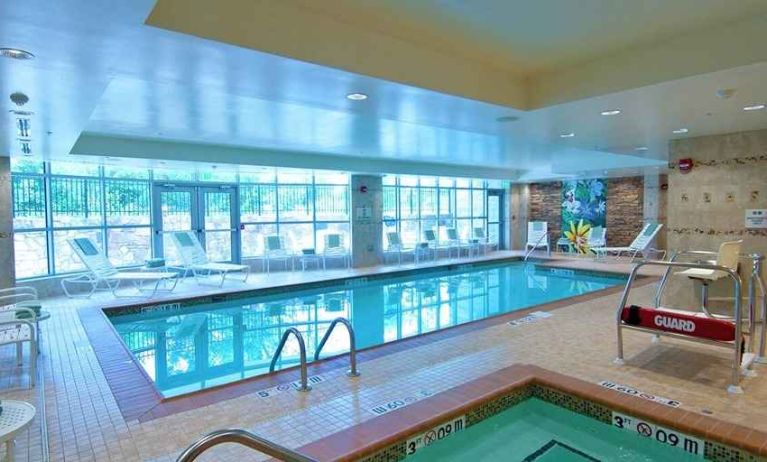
706, 206
625, 210
7, 276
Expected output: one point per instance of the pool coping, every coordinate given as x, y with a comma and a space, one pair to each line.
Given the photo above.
383, 438
138, 398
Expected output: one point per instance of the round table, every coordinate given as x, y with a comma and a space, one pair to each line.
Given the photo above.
16, 416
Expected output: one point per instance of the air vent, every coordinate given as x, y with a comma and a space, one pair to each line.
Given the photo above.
26, 148
23, 128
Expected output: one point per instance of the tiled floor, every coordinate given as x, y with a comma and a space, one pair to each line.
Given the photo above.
85, 423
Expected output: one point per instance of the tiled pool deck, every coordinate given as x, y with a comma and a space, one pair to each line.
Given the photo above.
87, 421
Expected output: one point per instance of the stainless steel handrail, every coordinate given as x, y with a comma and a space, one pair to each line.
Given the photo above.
537, 243
302, 350
756, 275
353, 372
738, 318
244, 438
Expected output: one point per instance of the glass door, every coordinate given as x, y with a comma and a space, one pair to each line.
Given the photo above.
175, 210
208, 211
495, 227
219, 222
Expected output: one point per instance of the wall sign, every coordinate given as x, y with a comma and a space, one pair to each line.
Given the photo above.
687, 443
756, 218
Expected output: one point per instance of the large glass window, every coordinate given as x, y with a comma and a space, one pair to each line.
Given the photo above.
300, 206
413, 205
55, 202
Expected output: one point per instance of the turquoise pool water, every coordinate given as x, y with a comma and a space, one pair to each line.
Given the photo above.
537, 431
197, 347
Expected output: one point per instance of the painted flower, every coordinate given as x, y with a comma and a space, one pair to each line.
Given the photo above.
602, 207
578, 235
571, 205
596, 189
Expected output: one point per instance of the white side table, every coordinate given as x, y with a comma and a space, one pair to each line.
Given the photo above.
16, 416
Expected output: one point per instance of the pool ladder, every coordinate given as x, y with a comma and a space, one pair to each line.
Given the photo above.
353, 372
244, 438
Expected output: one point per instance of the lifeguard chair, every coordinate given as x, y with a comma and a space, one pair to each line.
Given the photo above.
701, 326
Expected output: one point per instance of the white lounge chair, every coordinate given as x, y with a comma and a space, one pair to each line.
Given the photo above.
195, 259
102, 275
274, 249
597, 237
537, 236
335, 248
641, 244
394, 245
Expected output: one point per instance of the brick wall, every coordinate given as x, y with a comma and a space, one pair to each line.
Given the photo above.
545, 204
625, 208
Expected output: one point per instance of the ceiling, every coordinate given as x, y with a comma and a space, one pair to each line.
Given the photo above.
118, 87
530, 37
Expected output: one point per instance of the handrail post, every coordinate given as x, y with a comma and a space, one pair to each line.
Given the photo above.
302, 349
757, 275
353, 372
244, 438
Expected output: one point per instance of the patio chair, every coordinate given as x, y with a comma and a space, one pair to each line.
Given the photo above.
194, 259
482, 241
274, 249
430, 245
394, 245
454, 242
597, 237
18, 332
335, 248
641, 244
102, 275
537, 236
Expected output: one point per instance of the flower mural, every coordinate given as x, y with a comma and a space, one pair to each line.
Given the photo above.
584, 206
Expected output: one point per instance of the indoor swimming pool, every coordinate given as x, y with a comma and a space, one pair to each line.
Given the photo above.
189, 348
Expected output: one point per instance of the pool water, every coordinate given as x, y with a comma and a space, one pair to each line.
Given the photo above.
537, 431
198, 347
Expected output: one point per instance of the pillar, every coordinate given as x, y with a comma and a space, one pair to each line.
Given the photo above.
367, 214
7, 273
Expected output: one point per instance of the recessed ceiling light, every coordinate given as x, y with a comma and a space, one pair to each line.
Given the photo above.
15, 53
506, 119
640, 148
357, 96
567, 135
611, 112
679, 131
755, 107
